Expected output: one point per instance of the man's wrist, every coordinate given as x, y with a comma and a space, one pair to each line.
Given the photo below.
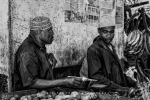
64, 82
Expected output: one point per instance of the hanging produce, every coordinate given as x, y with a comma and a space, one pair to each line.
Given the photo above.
135, 39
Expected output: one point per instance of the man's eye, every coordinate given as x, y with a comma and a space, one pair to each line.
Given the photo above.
105, 31
112, 31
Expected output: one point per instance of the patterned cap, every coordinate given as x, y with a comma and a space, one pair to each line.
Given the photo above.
106, 21
40, 22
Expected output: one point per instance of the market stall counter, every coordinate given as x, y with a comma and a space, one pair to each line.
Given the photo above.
69, 94
88, 92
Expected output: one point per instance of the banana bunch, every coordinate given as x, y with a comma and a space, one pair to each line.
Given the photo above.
134, 42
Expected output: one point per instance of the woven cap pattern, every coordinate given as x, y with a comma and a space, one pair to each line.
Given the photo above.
40, 22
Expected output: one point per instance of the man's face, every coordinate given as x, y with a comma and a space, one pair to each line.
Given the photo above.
47, 36
107, 34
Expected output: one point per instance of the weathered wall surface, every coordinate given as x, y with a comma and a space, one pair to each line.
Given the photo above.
4, 37
4, 46
71, 39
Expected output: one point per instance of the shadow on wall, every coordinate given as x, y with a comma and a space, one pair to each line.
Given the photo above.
3, 83
71, 56
71, 62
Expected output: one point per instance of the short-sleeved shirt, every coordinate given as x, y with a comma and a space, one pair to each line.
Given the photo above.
31, 63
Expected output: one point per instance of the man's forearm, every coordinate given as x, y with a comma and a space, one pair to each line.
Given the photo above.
40, 83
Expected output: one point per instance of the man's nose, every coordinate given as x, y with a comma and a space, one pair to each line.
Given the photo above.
108, 34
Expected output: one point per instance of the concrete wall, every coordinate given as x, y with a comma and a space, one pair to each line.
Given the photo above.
71, 39
4, 40
4, 35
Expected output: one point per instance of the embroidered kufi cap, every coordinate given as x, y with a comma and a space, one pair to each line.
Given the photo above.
40, 22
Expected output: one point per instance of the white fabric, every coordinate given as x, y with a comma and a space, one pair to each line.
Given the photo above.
84, 68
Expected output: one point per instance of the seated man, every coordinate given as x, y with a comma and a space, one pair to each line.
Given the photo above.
103, 62
32, 68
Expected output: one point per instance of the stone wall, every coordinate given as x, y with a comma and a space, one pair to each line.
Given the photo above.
4, 41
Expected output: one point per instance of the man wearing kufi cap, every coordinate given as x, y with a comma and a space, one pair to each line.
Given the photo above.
32, 68
103, 62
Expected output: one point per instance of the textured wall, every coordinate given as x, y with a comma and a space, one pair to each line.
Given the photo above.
71, 39
4, 46
4, 36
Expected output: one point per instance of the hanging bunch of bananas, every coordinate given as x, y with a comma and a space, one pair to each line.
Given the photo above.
139, 41
135, 42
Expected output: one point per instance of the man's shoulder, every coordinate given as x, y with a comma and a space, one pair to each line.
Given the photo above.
93, 47
25, 47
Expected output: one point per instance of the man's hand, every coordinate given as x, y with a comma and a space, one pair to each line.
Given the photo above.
73, 81
130, 74
52, 59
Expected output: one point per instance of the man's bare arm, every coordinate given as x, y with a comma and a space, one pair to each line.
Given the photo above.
40, 83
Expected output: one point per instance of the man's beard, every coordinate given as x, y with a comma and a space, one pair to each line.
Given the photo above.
46, 41
106, 40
